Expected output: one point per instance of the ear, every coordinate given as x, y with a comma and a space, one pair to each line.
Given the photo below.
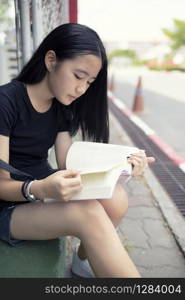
50, 60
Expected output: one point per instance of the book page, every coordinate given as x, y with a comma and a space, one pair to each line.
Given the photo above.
99, 185
90, 157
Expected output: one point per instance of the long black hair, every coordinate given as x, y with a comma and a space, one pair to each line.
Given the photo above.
90, 111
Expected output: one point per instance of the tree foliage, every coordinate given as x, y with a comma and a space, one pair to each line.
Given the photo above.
177, 36
5, 20
122, 53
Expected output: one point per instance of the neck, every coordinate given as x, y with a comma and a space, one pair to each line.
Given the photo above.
40, 95
41, 91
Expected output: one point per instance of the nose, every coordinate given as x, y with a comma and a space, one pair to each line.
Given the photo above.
81, 88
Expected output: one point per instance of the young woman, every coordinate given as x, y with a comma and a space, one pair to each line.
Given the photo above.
61, 89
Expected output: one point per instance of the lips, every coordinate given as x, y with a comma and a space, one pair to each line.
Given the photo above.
72, 98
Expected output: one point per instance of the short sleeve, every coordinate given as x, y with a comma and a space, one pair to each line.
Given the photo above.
7, 115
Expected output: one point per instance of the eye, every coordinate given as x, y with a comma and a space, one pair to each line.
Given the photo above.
81, 78
78, 77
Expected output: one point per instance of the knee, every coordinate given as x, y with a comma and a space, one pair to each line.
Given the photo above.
92, 216
120, 196
117, 206
93, 211
120, 202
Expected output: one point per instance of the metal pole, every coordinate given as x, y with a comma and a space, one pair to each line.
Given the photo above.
65, 12
18, 35
37, 22
25, 30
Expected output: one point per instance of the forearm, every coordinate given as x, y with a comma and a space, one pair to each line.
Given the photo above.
10, 190
58, 186
62, 145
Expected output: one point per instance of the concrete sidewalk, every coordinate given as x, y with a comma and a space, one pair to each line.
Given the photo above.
144, 231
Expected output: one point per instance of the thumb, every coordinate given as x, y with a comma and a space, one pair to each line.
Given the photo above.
70, 173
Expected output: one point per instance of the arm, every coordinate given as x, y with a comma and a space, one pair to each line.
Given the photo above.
62, 144
60, 185
10, 189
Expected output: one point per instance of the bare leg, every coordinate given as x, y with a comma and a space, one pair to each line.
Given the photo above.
86, 220
115, 208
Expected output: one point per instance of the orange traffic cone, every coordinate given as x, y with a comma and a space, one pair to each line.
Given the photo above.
138, 106
111, 84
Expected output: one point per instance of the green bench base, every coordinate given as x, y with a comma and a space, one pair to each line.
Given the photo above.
33, 259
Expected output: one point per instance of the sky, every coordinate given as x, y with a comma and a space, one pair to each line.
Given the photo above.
125, 20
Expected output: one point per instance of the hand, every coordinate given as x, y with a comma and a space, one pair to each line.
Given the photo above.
61, 185
140, 163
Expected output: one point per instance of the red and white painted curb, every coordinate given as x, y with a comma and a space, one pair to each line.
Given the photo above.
176, 158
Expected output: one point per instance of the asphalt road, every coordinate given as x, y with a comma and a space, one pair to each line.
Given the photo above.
164, 101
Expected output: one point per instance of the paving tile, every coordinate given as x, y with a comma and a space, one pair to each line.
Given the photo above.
158, 234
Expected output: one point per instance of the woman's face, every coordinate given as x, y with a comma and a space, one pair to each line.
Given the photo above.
70, 79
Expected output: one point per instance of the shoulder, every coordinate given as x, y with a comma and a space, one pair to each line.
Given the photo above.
10, 93
11, 89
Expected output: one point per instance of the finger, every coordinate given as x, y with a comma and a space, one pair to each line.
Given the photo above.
137, 161
139, 166
139, 158
139, 154
133, 163
70, 173
70, 192
73, 182
150, 159
74, 190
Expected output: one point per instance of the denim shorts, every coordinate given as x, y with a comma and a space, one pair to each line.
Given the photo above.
5, 234
6, 213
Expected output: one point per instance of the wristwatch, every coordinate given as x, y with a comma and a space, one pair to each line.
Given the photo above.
26, 191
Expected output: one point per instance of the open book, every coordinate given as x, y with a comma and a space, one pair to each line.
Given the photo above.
100, 166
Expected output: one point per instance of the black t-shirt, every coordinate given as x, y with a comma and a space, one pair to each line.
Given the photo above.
31, 133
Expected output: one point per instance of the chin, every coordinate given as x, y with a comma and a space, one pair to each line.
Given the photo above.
67, 104
64, 102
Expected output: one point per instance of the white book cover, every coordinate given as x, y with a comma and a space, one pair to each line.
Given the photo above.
100, 166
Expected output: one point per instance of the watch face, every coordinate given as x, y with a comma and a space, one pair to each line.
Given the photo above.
31, 198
